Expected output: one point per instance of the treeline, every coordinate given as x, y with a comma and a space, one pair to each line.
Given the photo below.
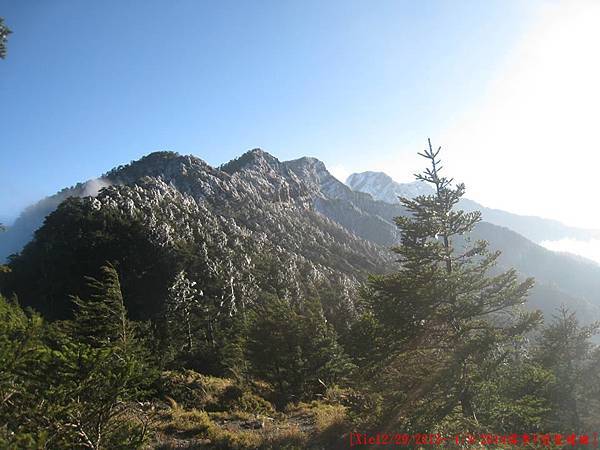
442, 345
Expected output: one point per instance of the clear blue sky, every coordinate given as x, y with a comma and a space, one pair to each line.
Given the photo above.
88, 85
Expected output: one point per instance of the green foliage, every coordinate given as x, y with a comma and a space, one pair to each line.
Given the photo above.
295, 349
445, 323
101, 319
518, 397
90, 394
4, 32
73, 244
565, 349
63, 390
21, 351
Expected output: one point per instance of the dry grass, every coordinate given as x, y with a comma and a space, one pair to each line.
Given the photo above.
328, 417
194, 429
192, 389
178, 421
204, 412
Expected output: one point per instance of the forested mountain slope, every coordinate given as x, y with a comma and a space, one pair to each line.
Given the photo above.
233, 232
292, 222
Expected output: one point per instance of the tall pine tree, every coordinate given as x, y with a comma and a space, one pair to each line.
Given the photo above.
294, 348
566, 350
101, 317
445, 322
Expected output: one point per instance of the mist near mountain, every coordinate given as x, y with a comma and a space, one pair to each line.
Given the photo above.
21, 231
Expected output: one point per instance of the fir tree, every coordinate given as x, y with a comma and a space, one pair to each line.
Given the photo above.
101, 318
295, 349
446, 321
4, 32
58, 391
565, 349
103, 369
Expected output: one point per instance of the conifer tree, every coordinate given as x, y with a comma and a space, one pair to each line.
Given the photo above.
4, 32
21, 356
103, 368
101, 318
295, 349
566, 350
62, 391
446, 319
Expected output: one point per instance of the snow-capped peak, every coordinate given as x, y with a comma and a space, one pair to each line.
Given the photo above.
383, 187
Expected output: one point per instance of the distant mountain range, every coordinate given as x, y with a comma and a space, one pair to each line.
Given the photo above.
383, 187
166, 211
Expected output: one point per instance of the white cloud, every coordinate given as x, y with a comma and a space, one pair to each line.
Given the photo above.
589, 249
92, 187
530, 145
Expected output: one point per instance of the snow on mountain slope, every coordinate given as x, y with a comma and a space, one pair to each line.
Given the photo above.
383, 187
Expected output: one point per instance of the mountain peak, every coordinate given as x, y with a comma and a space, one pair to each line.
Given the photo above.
256, 158
307, 164
368, 175
382, 187
258, 151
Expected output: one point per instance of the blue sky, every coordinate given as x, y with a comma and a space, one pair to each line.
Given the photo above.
90, 85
